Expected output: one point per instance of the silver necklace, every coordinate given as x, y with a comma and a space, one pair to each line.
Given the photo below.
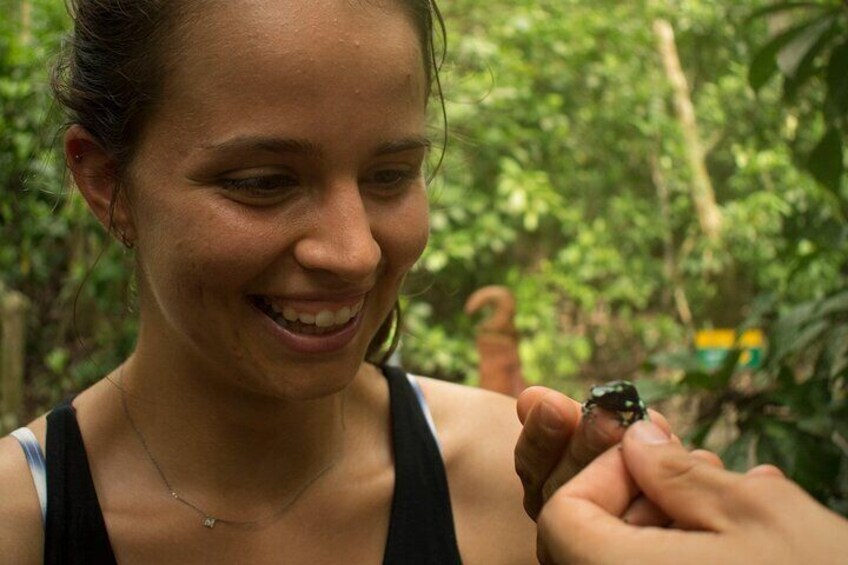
209, 520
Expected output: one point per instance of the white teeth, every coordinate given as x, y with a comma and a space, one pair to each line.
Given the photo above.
323, 319
307, 318
342, 316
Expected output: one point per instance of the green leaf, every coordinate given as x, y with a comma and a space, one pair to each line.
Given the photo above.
764, 64
728, 367
826, 161
836, 77
778, 446
803, 48
816, 465
836, 354
782, 7
809, 335
836, 304
737, 455
700, 380
783, 338
799, 58
699, 433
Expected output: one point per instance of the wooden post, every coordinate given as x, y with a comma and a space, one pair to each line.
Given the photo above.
13, 310
497, 341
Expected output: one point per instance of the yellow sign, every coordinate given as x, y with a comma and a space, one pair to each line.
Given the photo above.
713, 346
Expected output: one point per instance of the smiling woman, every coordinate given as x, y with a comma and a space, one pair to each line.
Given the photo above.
268, 192
263, 160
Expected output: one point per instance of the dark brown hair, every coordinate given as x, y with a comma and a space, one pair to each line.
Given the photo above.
111, 73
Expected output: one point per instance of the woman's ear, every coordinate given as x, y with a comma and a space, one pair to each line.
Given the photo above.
95, 173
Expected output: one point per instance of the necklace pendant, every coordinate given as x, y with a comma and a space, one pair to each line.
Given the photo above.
209, 522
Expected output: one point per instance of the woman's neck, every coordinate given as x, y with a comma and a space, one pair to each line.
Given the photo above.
223, 446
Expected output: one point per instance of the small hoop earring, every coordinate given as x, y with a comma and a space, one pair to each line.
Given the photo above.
126, 241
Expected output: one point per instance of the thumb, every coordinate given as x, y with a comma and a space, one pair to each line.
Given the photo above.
687, 488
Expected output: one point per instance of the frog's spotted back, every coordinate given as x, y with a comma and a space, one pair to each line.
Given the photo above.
619, 398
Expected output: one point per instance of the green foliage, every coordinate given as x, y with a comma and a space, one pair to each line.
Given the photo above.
811, 46
793, 412
561, 132
49, 243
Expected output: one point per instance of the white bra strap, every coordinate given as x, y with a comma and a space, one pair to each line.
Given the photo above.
35, 460
425, 409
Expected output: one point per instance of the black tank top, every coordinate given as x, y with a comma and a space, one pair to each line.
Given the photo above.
421, 529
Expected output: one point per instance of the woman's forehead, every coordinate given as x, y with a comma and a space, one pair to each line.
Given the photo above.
303, 70
292, 46
294, 27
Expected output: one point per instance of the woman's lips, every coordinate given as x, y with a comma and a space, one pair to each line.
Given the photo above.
325, 331
300, 318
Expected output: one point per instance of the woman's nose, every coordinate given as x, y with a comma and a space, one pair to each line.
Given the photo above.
340, 240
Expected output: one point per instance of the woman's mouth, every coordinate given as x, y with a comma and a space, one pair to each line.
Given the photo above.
321, 322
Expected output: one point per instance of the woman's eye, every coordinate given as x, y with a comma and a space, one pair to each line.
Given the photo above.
388, 179
261, 185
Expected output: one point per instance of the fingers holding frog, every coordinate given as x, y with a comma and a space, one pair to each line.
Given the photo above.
561, 436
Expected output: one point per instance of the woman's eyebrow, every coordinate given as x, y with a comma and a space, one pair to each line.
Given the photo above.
306, 147
266, 144
403, 144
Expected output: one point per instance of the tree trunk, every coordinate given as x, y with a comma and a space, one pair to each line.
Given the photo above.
709, 215
670, 269
26, 22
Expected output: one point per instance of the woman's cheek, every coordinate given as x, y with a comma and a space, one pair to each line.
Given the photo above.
406, 232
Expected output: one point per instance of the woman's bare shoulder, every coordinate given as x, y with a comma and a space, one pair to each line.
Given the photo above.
21, 529
478, 431
466, 414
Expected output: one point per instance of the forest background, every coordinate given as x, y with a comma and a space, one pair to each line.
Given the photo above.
633, 171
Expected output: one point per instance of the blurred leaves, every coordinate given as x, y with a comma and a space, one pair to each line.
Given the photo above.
561, 126
49, 242
792, 412
812, 48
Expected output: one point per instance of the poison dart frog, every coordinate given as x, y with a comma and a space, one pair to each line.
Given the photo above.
619, 398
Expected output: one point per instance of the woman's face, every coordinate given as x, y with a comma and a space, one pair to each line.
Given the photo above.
277, 194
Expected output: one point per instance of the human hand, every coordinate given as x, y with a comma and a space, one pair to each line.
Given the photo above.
557, 442
718, 516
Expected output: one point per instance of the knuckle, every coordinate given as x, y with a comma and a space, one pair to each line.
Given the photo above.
526, 468
534, 438
679, 468
756, 493
708, 457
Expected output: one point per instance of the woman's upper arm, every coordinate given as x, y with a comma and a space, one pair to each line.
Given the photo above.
21, 529
478, 431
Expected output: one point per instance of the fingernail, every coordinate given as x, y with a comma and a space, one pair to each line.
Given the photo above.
550, 416
644, 431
